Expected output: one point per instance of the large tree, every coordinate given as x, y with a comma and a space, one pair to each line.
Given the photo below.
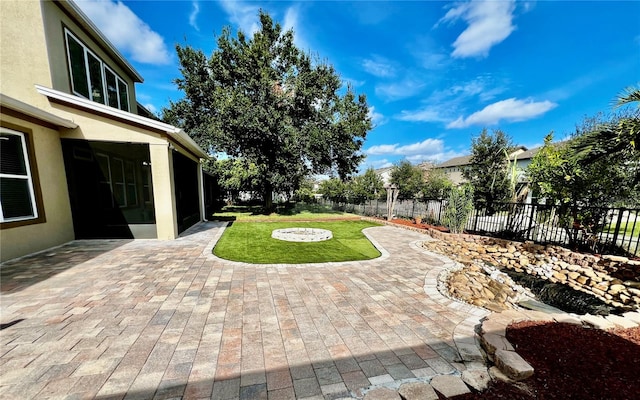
488, 169
264, 100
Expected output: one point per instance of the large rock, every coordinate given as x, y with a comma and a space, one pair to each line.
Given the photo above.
417, 391
477, 379
514, 366
449, 385
382, 394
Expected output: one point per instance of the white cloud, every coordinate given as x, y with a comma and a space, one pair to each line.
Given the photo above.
247, 18
509, 110
427, 146
427, 114
399, 90
379, 66
376, 118
442, 105
126, 31
193, 17
489, 23
292, 21
151, 108
431, 150
243, 15
384, 163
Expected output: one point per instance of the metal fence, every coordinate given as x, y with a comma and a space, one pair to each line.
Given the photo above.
603, 230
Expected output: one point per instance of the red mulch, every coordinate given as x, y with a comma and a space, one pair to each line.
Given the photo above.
572, 362
407, 222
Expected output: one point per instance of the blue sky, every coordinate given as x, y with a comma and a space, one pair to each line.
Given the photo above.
435, 73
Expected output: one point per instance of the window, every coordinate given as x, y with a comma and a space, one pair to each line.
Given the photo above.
17, 197
130, 177
117, 182
92, 79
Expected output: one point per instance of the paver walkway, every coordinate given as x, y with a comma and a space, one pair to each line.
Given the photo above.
153, 319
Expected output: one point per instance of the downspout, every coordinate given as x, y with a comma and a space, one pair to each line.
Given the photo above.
201, 190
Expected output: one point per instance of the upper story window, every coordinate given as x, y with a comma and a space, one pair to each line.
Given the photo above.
17, 196
92, 78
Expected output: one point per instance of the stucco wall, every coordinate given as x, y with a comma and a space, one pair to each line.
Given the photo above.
23, 52
58, 226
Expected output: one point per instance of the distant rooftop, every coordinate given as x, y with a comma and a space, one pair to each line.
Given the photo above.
520, 153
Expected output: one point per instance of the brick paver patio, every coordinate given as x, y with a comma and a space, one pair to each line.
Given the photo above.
148, 319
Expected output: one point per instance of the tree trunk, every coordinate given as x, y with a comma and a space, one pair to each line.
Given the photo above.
268, 197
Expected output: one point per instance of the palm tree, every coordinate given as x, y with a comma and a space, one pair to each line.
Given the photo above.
628, 96
621, 136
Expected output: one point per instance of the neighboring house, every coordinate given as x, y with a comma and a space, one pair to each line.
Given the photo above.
384, 174
80, 158
454, 167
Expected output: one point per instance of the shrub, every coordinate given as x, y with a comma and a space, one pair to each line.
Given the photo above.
458, 208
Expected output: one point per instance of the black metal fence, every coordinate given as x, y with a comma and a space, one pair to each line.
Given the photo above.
599, 230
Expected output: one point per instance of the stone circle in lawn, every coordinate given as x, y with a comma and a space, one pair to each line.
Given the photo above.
302, 234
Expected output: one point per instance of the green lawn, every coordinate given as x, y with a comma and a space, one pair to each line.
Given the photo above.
299, 212
251, 242
627, 230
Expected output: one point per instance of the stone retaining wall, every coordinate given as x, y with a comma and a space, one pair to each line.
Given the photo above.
614, 279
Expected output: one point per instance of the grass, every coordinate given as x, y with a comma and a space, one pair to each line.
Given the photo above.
307, 212
627, 230
251, 242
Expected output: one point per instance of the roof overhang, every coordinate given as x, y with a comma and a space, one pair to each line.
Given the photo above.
34, 112
176, 134
83, 20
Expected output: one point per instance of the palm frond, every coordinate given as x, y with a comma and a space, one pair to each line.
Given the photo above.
628, 96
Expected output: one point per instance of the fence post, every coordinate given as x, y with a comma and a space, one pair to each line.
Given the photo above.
475, 222
618, 223
413, 208
533, 210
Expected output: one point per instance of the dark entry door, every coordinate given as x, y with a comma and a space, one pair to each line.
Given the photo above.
186, 186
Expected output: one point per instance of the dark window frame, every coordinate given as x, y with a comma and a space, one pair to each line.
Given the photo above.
121, 88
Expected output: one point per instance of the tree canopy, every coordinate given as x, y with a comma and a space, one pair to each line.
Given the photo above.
264, 100
488, 169
437, 185
409, 178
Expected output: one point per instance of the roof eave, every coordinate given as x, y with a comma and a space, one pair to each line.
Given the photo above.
34, 112
177, 134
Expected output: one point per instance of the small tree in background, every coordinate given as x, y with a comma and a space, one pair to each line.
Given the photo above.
235, 175
437, 185
487, 172
458, 209
409, 179
334, 189
365, 187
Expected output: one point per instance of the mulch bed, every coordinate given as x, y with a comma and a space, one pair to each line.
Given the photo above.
572, 362
412, 224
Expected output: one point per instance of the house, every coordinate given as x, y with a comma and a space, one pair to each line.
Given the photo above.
454, 167
80, 158
384, 174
